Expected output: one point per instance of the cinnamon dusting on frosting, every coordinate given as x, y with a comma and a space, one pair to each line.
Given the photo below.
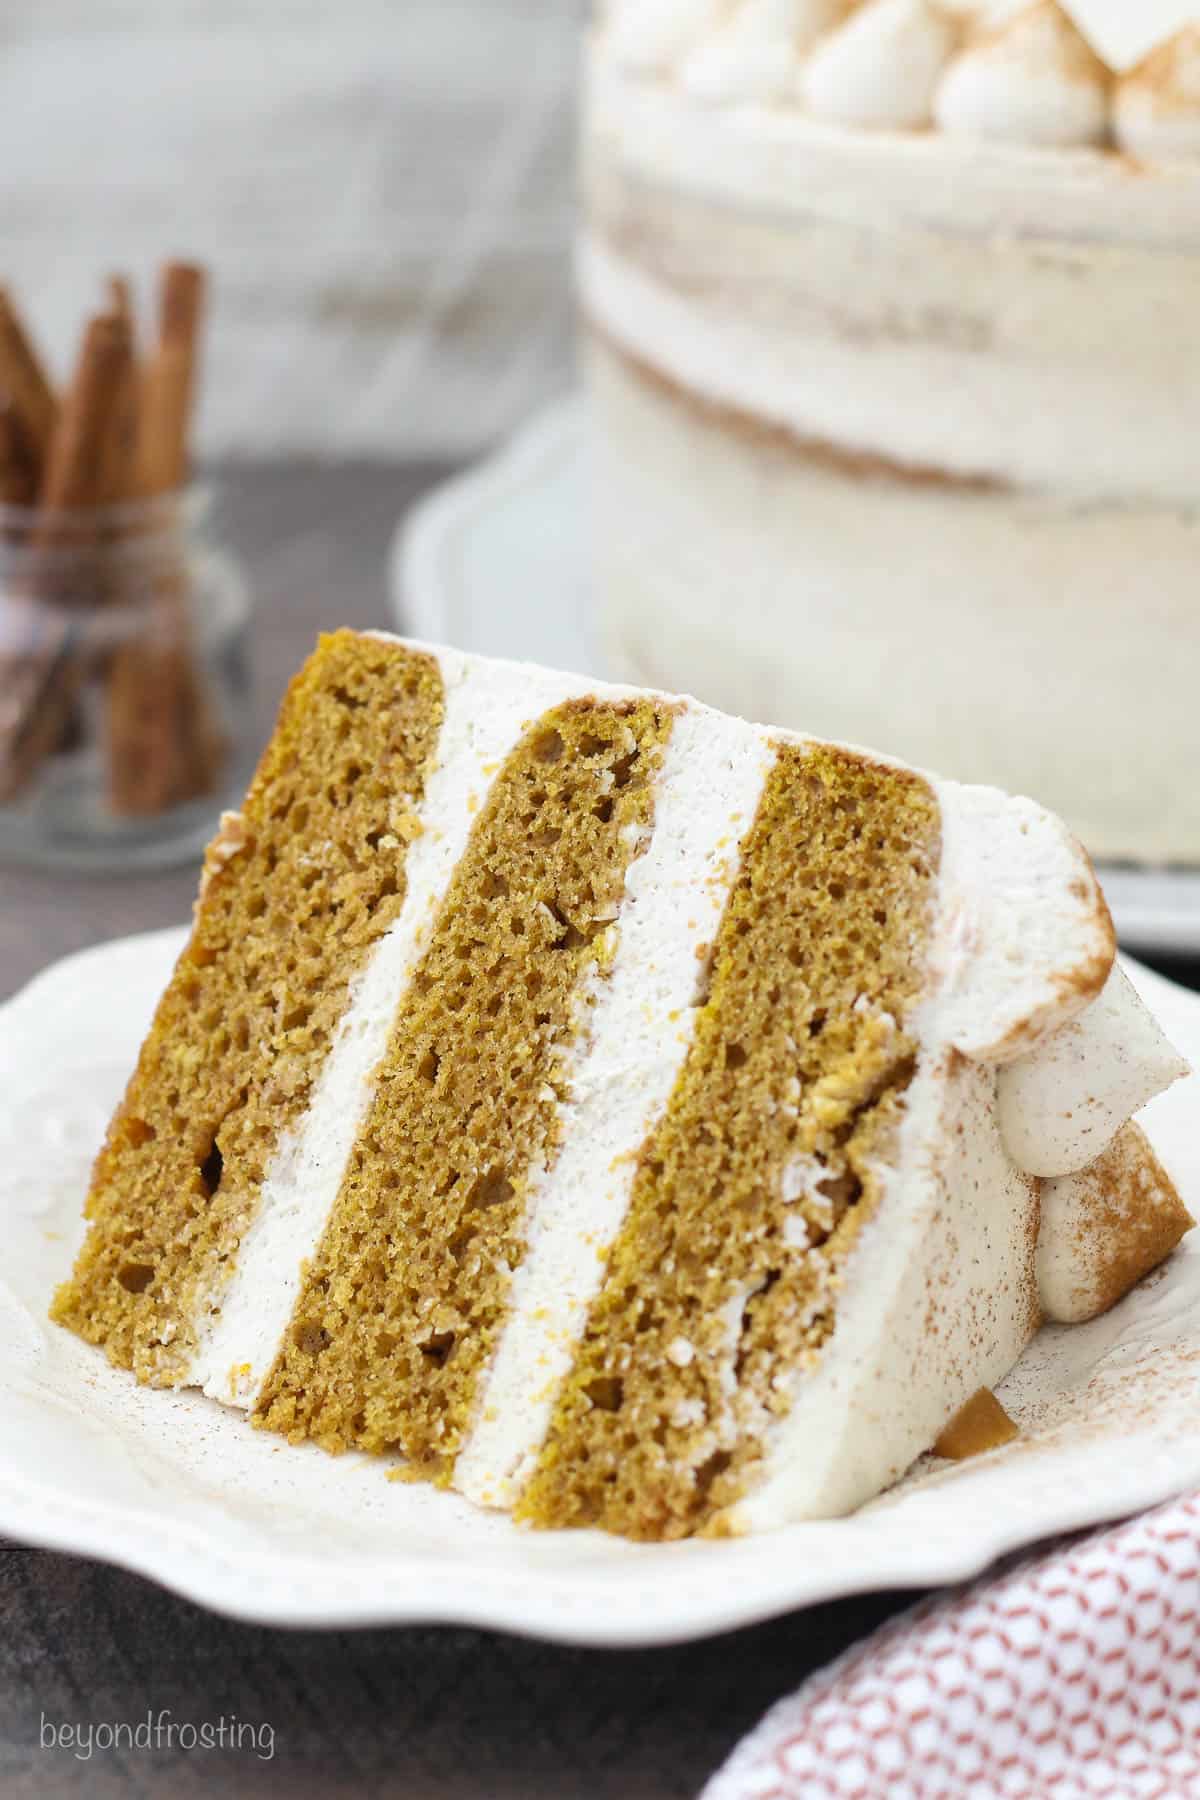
1105, 1228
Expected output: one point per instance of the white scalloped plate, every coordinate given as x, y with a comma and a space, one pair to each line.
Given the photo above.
182, 1490
496, 561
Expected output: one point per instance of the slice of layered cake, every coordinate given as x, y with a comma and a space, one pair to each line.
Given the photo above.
621, 1113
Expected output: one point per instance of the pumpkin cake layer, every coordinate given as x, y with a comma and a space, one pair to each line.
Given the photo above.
642, 1125
296, 891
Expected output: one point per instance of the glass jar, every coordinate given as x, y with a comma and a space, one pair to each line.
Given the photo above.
123, 684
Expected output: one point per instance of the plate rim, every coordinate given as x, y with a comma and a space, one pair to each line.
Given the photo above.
567, 1604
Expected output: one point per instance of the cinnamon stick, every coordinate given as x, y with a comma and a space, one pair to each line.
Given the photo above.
25, 384
19, 469
21, 457
183, 306
118, 446
79, 460
42, 673
119, 434
170, 380
163, 413
164, 742
120, 299
183, 296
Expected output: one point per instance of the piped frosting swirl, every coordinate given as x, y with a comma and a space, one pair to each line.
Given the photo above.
880, 68
1032, 81
752, 55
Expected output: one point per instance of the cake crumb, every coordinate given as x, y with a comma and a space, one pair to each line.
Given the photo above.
982, 1424
231, 839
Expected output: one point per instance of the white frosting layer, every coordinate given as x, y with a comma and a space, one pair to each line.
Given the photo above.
1023, 935
486, 710
1061, 1106
829, 294
638, 1035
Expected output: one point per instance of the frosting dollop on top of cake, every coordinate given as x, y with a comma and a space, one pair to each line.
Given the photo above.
881, 67
1033, 80
994, 70
1156, 111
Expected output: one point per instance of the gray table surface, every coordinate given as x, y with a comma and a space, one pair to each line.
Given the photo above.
428, 1714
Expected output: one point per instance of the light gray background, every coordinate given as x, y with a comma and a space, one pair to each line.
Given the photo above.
383, 188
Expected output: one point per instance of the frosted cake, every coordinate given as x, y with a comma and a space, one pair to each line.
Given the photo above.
892, 321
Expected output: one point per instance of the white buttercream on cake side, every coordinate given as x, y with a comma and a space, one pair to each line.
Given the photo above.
723, 324
688, 507
1025, 940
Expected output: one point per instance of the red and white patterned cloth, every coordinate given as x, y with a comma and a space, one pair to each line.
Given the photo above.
1074, 1675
